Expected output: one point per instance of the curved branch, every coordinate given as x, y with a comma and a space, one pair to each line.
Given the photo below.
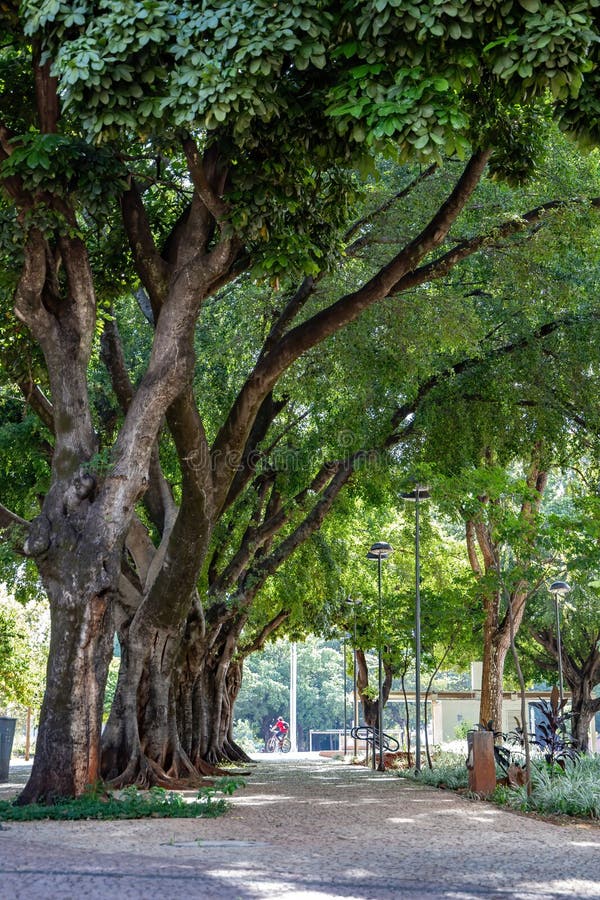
387, 204
208, 180
478, 359
267, 630
311, 523
256, 538
289, 313
153, 270
187, 539
440, 267
472, 549
10, 520
46, 91
158, 498
323, 324
268, 412
39, 403
111, 353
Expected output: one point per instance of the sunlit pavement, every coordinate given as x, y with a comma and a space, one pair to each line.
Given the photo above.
309, 827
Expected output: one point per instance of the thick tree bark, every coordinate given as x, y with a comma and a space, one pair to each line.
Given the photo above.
141, 741
212, 709
583, 711
484, 556
495, 648
371, 705
67, 758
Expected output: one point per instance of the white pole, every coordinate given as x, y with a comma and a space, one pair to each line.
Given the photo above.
293, 682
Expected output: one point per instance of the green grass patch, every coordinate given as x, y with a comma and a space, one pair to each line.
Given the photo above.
129, 803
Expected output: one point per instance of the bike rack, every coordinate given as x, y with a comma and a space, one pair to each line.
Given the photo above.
371, 736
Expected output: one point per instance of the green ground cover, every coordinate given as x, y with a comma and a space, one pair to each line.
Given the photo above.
130, 803
574, 791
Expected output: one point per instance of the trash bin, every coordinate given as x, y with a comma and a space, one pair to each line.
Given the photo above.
7, 733
481, 763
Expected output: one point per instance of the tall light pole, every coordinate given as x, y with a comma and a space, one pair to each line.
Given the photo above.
293, 695
344, 639
354, 604
419, 493
380, 550
559, 589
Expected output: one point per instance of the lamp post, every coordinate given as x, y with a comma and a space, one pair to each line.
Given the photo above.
559, 589
380, 550
344, 639
293, 695
354, 604
419, 493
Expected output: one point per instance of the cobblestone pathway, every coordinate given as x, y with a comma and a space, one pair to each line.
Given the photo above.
309, 828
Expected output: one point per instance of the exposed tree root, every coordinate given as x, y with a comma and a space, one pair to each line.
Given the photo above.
145, 773
214, 757
234, 753
181, 767
205, 767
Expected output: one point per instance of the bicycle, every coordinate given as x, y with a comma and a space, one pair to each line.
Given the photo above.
274, 744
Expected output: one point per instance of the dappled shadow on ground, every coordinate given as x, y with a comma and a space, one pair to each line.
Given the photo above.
310, 828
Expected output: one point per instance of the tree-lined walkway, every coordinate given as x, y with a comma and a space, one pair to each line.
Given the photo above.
309, 827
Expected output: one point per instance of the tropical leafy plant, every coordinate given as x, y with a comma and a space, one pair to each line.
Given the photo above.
551, 732
575, 793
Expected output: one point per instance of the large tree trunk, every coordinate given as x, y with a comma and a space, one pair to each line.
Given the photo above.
484, 557
211, 707
495, 647
583, 711
76, 551
141, 741
234, 679
67, 758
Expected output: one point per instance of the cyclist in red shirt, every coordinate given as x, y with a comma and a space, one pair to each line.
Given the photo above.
280, 728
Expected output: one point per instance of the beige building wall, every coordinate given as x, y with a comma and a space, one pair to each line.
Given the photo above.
449, 709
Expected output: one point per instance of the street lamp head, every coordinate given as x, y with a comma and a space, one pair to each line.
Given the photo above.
380, 550
420, 492
559, 587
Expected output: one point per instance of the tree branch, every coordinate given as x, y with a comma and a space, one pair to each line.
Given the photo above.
256, 537
268, 412
39, 403
440, 267
153, 270
259, 641
208, 181
158, 498
323, 324
10, 519
387, 204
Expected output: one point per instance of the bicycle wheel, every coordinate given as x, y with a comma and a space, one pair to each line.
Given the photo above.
272, 743
286, 745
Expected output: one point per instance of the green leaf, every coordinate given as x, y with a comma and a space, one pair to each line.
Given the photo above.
531, 6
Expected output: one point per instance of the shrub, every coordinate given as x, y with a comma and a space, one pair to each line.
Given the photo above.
450, 771
572, 791
131, 803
